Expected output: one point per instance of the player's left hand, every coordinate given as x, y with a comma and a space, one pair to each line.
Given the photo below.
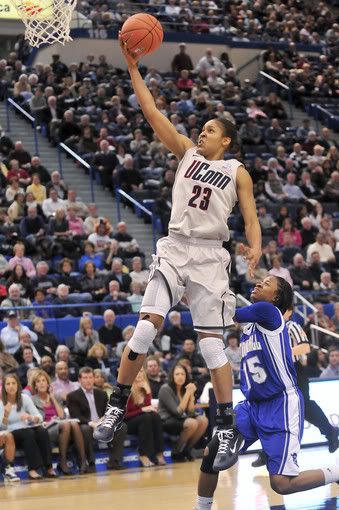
251, 255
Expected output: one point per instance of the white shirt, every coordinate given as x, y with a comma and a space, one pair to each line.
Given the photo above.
325, 251
204, 194
10, 337
50, 206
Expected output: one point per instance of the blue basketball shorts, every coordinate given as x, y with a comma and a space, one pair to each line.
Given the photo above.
278, 424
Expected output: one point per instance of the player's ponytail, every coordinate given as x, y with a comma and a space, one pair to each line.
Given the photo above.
284, 297
230, 131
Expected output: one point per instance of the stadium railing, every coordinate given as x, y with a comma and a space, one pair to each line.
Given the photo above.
120, 196
74, 155
278, 83
12, 104
317, 329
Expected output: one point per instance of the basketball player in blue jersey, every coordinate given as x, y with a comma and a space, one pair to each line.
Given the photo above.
273, 411
191, 260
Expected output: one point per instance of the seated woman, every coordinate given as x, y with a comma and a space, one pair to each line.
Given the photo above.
177, 411
45, 338
60, 432
18, 275
100, 381
142, 419
97, 357
19, 416
90, 256
92, 282
85, 337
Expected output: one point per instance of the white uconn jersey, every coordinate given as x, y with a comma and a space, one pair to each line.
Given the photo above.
204, 194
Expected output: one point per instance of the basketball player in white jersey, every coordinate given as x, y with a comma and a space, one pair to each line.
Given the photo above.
192, 261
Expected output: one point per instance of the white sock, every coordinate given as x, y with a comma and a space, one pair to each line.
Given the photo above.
143, 336
331, 474
204, 503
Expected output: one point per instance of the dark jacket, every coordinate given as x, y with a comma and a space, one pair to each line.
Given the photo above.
78, 406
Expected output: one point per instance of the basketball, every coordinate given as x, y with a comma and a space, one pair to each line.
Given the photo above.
143, 34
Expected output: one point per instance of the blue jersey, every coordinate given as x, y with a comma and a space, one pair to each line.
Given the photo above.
267, 368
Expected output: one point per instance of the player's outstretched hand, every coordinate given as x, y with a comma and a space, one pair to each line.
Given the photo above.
130, 56
252, 256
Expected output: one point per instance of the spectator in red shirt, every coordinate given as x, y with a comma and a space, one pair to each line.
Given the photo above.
142, 419
184, 82
287, 227
19, 173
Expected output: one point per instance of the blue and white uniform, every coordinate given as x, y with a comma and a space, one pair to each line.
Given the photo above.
273, 411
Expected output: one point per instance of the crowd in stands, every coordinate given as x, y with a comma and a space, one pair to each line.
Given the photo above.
57, 250
298, 21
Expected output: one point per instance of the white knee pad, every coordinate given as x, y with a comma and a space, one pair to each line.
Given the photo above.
144, 334
213, 352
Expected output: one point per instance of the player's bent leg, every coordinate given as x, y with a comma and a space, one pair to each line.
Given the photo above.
208, 478
151, 319
230, 441
306, 480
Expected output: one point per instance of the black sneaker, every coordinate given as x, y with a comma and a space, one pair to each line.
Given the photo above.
112, 419
230, 442
261, 460
333, 441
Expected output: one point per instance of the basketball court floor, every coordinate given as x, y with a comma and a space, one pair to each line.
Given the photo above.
172, 487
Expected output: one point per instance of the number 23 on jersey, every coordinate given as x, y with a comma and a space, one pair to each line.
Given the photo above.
201, 197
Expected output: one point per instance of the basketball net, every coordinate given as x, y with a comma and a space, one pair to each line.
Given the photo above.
46, 21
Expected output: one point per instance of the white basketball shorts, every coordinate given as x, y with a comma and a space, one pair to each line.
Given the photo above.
199, 269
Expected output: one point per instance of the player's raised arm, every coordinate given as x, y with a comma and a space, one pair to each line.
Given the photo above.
163, 128
252, 253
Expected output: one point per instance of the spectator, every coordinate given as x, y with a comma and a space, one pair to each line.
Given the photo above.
18, 414
8, 363
38, 169
87, 404
308, 232
268, 225
58, 185
60, 432
19, 277
118, 275
142, 419
91, 256
85, 337
156, 377
91, 220
233, 353
25, 340
109, 333
117, 298
274, 189
126, 333
181, 60
320, 246
250, 133
138, 274
62, 384
278, 270
288, 228
331, 190
332, 371
45, 338
38, 190
62, 298
14, 300
300, 273
197, 361
52, 204
292, 190
27, 364
10, 333
177, 331
177, 411
136, 296
19, 258
100, 238
316, 363
92, 282
127, 243
79, 207
97, 357
43, 280
209, 61
16, 210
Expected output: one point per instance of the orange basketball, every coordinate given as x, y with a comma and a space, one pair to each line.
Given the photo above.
143, 33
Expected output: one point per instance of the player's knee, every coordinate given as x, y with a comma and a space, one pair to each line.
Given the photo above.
213, 352
279, 485
156, 320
